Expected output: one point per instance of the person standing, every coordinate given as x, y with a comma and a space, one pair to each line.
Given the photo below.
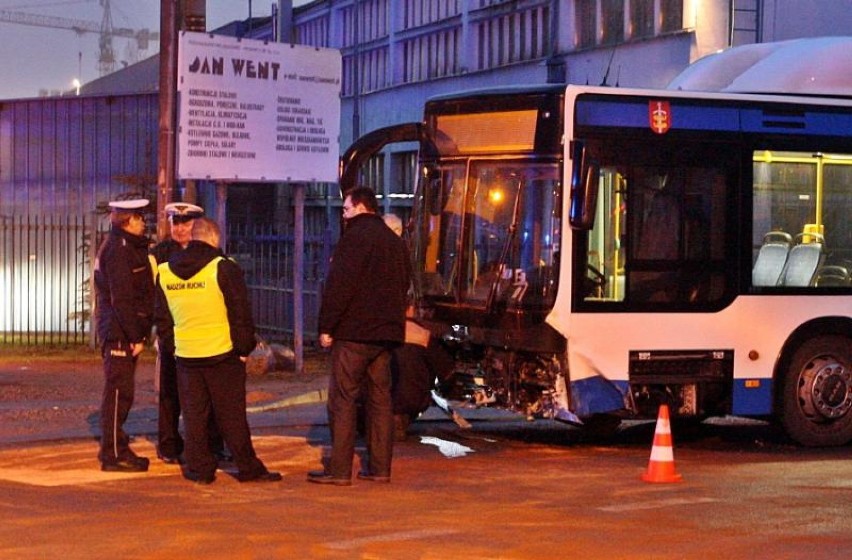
414, 365
202, 309
124, 290
362, 318
170, 444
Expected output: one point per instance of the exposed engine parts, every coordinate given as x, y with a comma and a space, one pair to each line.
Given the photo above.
525, 383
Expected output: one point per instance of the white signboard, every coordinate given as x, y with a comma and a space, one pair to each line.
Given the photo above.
256, 111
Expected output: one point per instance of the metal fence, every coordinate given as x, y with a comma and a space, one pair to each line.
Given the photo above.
46, 271
266, 257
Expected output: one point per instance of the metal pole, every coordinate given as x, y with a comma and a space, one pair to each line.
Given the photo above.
92, 227
174, 15
299, 277
221, 211
168, 96
284, 25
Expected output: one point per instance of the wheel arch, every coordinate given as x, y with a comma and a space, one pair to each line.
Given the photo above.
820, 326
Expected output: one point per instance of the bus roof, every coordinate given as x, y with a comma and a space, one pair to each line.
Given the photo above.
500, 90
814, 66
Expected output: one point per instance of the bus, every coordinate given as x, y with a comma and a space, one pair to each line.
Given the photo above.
593, 253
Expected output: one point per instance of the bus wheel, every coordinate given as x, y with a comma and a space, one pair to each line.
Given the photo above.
816, 397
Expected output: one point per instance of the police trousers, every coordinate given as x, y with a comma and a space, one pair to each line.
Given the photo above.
218, 389
116, 401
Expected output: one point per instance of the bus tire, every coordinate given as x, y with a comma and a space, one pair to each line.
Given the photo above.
816, 392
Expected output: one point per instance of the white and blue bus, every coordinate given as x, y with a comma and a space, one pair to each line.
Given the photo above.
593, 251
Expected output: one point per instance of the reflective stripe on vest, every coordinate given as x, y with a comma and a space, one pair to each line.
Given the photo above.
198, 309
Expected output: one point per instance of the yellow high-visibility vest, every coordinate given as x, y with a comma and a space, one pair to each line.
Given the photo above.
198, 309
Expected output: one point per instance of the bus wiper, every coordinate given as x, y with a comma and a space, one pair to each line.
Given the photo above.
504, 253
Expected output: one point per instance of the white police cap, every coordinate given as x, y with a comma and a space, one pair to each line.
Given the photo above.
184, 210
133, 205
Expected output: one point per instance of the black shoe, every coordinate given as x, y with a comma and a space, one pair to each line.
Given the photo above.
131, 464
170, 459
269, 476
322, 477
223, 456
373, 477
200, 479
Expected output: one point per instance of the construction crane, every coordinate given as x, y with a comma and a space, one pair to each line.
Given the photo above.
105, 29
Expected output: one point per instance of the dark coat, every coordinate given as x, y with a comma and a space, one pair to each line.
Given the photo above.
364, 297
124, 287
164, 250
186, 264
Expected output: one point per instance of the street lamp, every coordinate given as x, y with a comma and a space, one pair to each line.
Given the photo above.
76, 83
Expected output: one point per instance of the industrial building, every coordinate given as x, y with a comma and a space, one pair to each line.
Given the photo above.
62, 158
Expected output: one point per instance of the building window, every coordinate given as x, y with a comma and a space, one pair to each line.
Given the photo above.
313, 32
671, 15
612, 17
586, 23
416, 13
646, 18
372, 71
403, 172
369, 23
641, 19
372, 173
432, 55
506, 38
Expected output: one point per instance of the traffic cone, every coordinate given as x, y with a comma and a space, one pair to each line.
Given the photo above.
661, 466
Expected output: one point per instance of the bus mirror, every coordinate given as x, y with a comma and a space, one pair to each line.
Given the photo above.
584, 187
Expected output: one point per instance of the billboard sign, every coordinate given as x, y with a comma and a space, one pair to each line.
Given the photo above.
256, 111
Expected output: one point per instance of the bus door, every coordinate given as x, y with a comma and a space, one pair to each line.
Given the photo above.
660, 238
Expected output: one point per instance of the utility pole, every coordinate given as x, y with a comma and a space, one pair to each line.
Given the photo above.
174, 16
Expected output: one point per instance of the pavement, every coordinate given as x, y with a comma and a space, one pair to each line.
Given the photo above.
505, 489
48, 396
53, 396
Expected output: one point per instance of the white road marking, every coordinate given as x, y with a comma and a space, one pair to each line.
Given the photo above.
656, 504
390, 537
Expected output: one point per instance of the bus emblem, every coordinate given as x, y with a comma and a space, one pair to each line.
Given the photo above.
659, 116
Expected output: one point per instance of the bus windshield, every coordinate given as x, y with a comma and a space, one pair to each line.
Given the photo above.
491, 234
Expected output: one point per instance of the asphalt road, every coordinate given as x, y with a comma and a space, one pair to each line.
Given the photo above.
503, 489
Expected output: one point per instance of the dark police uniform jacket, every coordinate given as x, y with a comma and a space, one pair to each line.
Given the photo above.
166, 249
125, 288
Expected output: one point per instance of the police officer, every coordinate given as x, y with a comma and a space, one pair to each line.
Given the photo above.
181, 216
203, 309
125, 299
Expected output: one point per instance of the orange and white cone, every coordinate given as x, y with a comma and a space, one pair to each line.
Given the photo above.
661, 466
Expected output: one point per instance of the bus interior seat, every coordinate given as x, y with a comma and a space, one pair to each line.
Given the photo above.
832, 275
771, 258
805, 258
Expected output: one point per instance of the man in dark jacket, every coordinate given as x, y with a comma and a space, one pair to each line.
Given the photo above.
124, 289
362, 318
203, 309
